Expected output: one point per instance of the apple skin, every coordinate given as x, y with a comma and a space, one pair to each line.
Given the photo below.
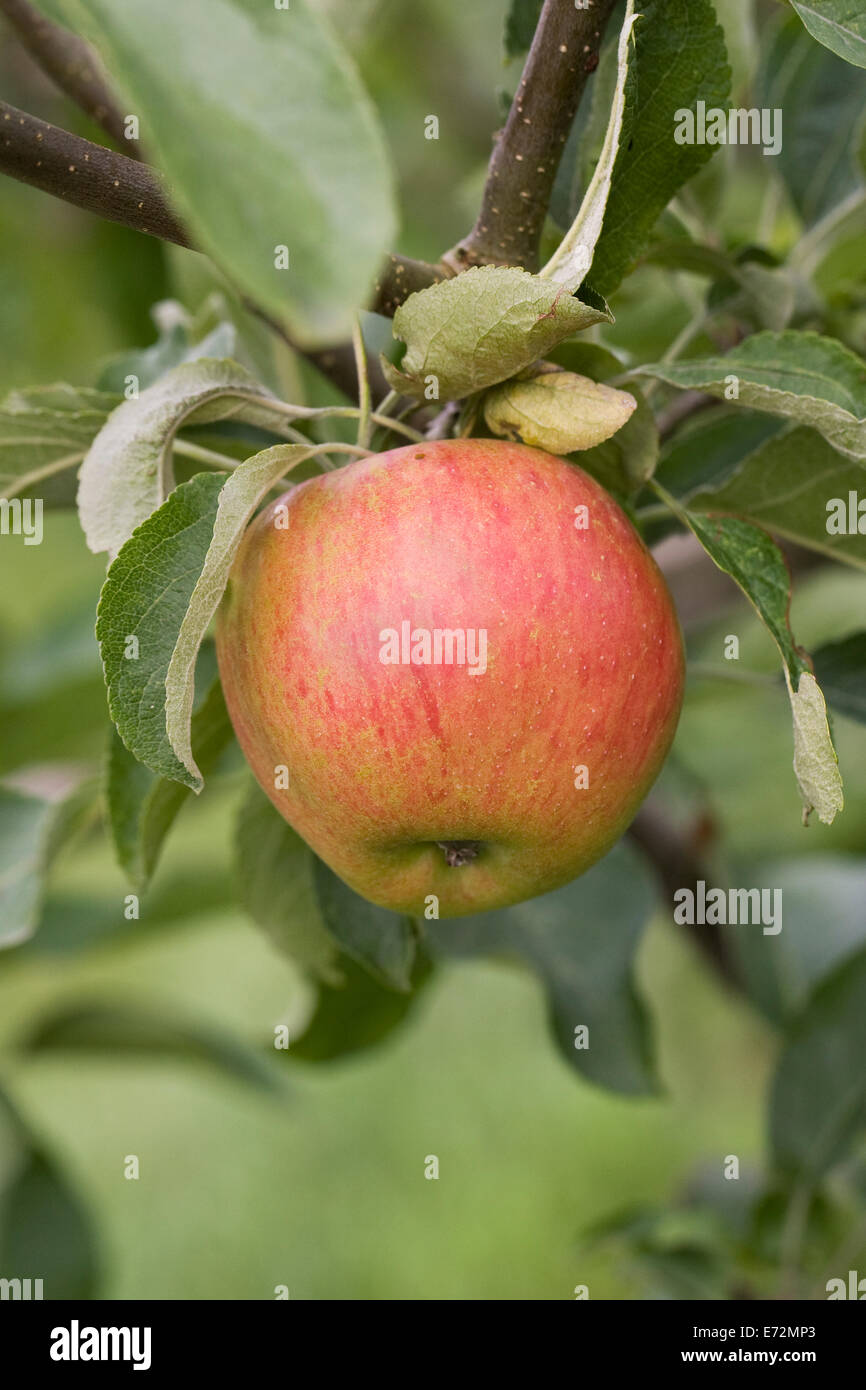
387, 762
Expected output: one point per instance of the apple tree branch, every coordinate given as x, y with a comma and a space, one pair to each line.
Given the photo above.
527, 152
680, 859
89, 176
72, 65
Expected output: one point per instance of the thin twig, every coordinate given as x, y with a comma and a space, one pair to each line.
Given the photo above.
200, 454
398, 427
681, 408
527, 152
363, 384
691, 330
388, 402
400, 277
680, 861
72, 65
696, 325
808, 252
657, 511
706, 671
441, 426
337, 412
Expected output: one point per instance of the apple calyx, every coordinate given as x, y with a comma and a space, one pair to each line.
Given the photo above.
459, 852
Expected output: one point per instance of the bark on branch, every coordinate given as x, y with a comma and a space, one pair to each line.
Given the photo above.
91, 177
528, 150
72, 65
400, 277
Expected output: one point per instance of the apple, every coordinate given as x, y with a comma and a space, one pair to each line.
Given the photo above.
454, 668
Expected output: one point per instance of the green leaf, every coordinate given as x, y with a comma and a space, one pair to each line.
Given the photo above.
556, 410
785, 484
173, 348
46, 1232
754, 561
163, 590
841, 669
145, 600
582, 150
25, 824
629, 457
839, 25
267, 138
33, 829
76, 919
134, 1031
581, 941
142, 806
679, 58
815, 762
823, 924
45, 431
275, 867
383, 942
570, 262
818, 1102
684, 1253
823, 101
812, 380
127, 472
520, 24
710, 449
356, 1014
480, 328
46, 1227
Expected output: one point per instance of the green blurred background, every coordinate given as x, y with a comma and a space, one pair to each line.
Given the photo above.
325, 1191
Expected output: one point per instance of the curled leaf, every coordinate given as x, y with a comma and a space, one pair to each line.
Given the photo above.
623, 463
815, 762
160, 596
573, 257
127, 472
555, 410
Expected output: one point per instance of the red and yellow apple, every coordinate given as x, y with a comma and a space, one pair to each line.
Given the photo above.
454, 668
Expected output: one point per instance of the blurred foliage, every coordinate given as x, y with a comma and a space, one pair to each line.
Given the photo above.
310, 1172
